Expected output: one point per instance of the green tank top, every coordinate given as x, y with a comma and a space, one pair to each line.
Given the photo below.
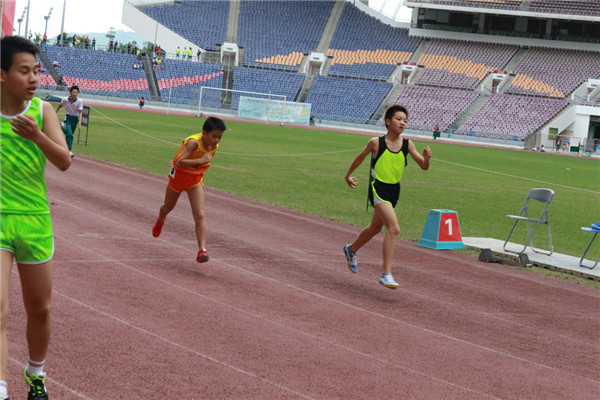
388, 167
22, 164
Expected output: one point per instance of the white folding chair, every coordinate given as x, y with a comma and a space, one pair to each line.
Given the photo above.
543, 196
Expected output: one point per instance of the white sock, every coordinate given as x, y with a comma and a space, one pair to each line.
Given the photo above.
35, 367
3, 390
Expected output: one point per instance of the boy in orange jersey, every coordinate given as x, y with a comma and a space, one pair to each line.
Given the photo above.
187, 170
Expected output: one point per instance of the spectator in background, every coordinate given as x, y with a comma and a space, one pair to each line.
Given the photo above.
142, 102
198, 54
73, 110
94, 44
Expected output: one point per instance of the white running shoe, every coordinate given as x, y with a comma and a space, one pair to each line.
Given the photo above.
388, 281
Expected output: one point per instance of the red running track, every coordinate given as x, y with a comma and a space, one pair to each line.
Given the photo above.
275, 314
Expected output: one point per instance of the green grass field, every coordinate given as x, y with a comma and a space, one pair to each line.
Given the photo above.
304, 170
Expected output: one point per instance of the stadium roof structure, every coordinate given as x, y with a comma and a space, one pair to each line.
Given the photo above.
554, 23
580, 10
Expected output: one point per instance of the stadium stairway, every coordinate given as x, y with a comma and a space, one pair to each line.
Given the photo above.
50, 68
387, 100
419, 51
330, 27
516, 58
151, 77
470, 110
233, 21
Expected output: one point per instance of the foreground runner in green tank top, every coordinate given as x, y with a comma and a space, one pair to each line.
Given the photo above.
29, 134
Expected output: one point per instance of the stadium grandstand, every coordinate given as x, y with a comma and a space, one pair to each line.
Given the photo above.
525, 72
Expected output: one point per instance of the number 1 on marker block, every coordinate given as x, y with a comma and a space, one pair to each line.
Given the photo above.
449, 223
449, 230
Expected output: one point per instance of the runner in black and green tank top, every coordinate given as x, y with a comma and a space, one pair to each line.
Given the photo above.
389, 158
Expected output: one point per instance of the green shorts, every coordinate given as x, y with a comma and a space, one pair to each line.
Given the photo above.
29, 237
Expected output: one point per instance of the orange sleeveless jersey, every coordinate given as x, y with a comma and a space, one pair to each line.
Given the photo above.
199, 152
183, 179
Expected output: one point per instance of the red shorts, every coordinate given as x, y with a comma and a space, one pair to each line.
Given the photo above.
181, 181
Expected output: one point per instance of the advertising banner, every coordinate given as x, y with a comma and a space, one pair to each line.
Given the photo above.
274, 110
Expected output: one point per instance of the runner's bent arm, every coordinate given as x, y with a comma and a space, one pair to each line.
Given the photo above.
371, 147
184, 159
51, 140
422, 160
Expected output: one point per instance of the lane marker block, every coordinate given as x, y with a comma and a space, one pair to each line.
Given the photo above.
442, 231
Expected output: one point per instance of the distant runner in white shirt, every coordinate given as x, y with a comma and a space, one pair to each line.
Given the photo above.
73, 108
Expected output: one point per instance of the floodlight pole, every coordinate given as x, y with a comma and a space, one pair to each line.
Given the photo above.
47, 17
27, 20
21, 20
62, 24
